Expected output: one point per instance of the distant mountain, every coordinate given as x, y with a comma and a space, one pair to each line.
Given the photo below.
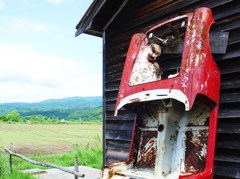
54, 104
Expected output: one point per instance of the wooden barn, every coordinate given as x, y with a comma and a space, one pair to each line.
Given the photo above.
117, 21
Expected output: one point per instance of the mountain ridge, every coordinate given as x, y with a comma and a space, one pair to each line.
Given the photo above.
76, 102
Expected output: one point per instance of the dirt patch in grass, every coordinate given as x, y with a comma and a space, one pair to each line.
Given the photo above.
50, 138
44, 149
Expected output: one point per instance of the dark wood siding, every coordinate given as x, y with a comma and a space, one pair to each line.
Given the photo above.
139, 15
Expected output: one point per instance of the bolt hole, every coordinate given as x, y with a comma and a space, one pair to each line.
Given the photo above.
160, 127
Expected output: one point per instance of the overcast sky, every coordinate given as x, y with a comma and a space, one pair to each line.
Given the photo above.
39, 56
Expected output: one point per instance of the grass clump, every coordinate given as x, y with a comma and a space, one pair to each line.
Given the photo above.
5, 170
90, 157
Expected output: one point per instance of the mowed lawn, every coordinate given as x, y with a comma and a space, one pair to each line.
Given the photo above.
50, 138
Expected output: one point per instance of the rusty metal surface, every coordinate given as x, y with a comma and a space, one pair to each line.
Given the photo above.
147, 68
199, 115
168, 142
172, 126
197, 63
196, 150
147, 150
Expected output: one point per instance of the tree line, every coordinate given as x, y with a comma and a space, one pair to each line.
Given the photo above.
55, 115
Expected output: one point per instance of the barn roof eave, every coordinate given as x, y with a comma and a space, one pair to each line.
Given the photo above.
96, 17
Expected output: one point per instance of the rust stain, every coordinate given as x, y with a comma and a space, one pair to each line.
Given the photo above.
199, 115
147, 150
182, 135
196, 149
146, 68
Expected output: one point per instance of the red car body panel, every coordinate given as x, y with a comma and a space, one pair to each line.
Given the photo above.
199, 73
195, 86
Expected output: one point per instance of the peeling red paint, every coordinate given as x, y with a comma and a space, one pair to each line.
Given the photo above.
197, 64
175, 129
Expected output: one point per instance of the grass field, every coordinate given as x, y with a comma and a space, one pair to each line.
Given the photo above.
50, 143
50, 138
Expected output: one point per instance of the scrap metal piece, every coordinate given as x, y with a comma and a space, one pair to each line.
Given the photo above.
175, 130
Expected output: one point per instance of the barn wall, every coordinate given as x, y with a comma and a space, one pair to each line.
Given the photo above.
138, 16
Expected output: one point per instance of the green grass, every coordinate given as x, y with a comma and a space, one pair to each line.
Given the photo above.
90, 157
5, 171
50, 143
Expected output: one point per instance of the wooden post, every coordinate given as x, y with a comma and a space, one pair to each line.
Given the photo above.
77, 174
76, 167
10, 158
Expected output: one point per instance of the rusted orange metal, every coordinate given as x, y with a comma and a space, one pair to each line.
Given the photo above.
175, 128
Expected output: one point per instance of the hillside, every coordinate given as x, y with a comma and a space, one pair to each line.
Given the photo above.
54, 104
73, 108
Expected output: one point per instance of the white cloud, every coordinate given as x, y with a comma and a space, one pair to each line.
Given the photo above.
55, 1
26, 75
21, 25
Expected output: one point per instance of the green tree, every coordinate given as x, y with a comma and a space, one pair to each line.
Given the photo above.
13, 116
3, 118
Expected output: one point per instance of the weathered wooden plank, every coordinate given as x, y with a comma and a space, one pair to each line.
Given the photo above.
114, 77
117, 51
119, 135
230, 70
120, 57
110, 107
117, 155
115, 68
229, 66
229, 128
228, 155
220, 11
234, 52
148, 8
118, 144
234, 37
158, 14
229, 25
112, 86
230, 83
119, 125
228, 141
229, 113
230, 98
120, 43
122, 115
227, 169
123, 37
111, 96
228, 158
